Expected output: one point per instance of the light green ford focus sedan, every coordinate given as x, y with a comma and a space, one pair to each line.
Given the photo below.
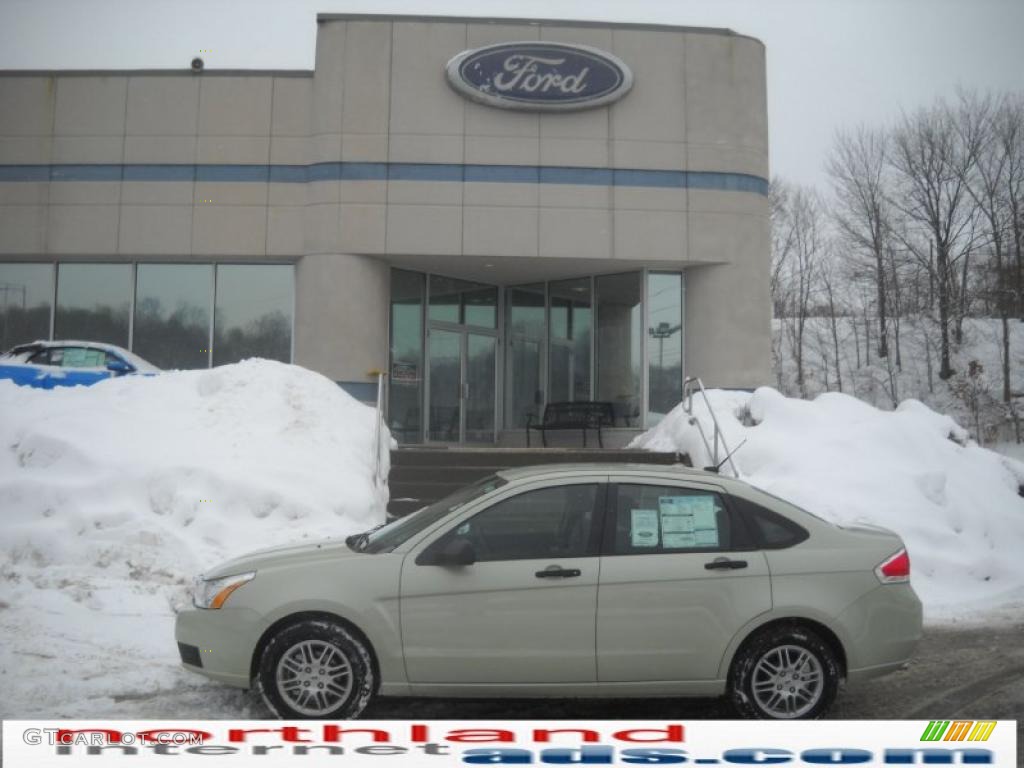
567, 580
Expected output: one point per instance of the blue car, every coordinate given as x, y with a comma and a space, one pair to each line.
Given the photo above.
49, 364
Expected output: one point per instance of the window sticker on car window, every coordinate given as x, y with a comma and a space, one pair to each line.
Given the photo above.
688, 521
705, 538
643, 527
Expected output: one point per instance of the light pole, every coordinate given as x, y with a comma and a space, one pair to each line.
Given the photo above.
661, 332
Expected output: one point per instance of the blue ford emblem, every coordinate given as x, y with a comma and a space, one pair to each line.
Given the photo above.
539, 76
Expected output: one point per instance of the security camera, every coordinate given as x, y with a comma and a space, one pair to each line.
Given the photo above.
197, 64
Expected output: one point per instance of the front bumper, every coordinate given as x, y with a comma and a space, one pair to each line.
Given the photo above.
221, 641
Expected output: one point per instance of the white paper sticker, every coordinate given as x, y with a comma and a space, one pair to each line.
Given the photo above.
680, 540
643, 529
688, 521
706, 538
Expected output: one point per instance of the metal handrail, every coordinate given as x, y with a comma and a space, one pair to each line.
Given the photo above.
691, 385
379, 431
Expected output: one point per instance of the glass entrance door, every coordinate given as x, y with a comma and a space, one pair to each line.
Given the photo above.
480, 385
444, 416
462, 386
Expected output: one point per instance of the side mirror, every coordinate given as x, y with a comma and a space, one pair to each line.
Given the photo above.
119, 367
458, 551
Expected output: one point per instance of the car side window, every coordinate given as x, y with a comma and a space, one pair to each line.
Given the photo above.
771, 530
42, 357
83, 357
663, 519
553, 522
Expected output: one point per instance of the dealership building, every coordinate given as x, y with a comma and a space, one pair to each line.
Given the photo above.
497, 214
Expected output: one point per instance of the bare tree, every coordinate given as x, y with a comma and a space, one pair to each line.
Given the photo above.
1009, 134
896, 292
798, 243
828, 275
930, 162
782, 246
783, 237
858, 168
800, 226
979, 120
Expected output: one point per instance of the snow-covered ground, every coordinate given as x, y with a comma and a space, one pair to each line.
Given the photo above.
956, 505
112, 497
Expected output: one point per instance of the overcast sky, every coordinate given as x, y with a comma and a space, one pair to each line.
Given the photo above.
831, 63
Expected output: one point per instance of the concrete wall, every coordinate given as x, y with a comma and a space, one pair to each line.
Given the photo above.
114, 122
698, 104
245, 166
341, 324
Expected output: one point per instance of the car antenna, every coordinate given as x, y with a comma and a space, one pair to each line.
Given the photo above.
718, 466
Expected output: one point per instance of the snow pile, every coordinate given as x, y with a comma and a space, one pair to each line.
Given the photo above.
956, 505
112, 497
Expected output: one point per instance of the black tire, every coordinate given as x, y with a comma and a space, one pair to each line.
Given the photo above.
792, 691
300, 690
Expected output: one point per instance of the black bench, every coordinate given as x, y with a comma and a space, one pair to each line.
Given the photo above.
582, 415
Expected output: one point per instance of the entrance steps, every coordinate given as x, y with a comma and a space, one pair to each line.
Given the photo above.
421, 476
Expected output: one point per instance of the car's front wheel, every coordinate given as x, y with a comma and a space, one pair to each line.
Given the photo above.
316, 669
784, 673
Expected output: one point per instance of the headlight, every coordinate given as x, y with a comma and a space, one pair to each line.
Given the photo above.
212, 593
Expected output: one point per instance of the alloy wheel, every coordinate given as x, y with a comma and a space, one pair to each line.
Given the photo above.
788, 681
314, 677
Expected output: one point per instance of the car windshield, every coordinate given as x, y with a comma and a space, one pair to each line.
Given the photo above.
397, 532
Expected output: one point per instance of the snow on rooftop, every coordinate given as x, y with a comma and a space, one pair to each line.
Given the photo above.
912, 470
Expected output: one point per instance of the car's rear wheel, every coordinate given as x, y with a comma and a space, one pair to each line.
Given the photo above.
316, 669
784, 673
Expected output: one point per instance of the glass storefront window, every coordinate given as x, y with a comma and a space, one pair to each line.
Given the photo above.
524, 372
405, 403
619, 303
480, 307
445, 300
665, 340
570, 326
462, 302
26, 298
172, 314
253, 312
94, 302
579, 339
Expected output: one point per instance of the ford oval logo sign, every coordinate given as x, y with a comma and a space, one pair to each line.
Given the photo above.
539, 76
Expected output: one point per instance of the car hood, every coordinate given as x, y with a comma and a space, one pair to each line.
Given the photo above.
288, 554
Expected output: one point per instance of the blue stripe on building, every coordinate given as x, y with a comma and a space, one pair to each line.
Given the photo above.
369, 171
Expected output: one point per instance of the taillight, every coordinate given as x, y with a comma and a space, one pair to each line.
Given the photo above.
895, 569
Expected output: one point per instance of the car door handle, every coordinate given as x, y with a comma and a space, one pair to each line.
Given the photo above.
557, 572
725, 564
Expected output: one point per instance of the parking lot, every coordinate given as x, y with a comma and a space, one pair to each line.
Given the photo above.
974, 673
971, 672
